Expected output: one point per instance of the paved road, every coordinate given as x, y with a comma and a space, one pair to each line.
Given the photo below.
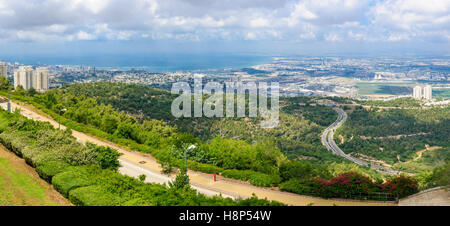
330, 144
135, 164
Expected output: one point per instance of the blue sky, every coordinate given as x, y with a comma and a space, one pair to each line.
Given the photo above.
52, 27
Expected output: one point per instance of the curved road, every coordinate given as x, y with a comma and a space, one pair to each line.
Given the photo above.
330, 144
135, 164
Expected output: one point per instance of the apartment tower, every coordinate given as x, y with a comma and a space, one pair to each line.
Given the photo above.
417, 92
428, 92
3, 69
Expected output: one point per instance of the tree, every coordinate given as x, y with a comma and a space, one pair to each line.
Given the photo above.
441, 175
166, 160
4, 83
125, 130
109, 124
106, 156
181, 181
142, 177
295, 169
20, 90
31, 92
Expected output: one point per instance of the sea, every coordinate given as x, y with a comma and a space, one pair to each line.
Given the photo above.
150, 62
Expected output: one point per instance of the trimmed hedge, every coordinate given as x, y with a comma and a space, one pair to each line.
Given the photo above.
137, 202
264, 180
49, 169
92, 196
202, 167
303, 187
255, 178
69, 180
238, 174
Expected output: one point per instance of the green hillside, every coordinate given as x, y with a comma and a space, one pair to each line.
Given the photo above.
396, 136
289, 156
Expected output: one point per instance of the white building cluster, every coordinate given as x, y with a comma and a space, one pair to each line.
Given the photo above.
423, 93
3, 69
28, 78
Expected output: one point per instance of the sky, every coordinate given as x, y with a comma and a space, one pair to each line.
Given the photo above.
80, 27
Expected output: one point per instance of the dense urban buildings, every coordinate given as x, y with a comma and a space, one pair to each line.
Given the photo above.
28, 78
375, 78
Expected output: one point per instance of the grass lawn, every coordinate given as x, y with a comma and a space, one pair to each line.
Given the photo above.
444, 93
20, 185
373, 88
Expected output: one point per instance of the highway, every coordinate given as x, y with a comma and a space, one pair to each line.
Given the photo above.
330, 144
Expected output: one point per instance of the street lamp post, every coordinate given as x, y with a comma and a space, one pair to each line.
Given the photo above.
185, 156
59, 117
9, 100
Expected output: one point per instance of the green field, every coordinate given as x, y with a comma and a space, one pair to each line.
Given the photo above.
385, 88
443, 93
21, 186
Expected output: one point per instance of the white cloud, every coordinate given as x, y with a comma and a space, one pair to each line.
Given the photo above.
398, 37
332, 37
251, 36
56, 28
412, 14
82, 35
95, 6
259, 22
298, 20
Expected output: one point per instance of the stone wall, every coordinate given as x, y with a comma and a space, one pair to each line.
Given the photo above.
431, 197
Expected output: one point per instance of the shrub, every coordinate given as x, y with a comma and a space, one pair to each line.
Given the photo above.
254, 201
49, 169
142, 177
106, 156
181, 181
295, 169
255, 178
264, 180
69, 180
137, 202
441, 175
303, 187
401, 186
238, 174
202, 167
93, 196
345, 185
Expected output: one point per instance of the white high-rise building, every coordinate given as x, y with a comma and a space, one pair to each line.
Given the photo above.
417, 93
24, 77
428, 92
3, 69
28, 78
40, 79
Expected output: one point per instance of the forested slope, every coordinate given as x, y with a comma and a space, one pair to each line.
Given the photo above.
397, 136
289, 156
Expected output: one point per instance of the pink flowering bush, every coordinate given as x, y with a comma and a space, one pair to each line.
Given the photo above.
400, 186
352, 185
346, 185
